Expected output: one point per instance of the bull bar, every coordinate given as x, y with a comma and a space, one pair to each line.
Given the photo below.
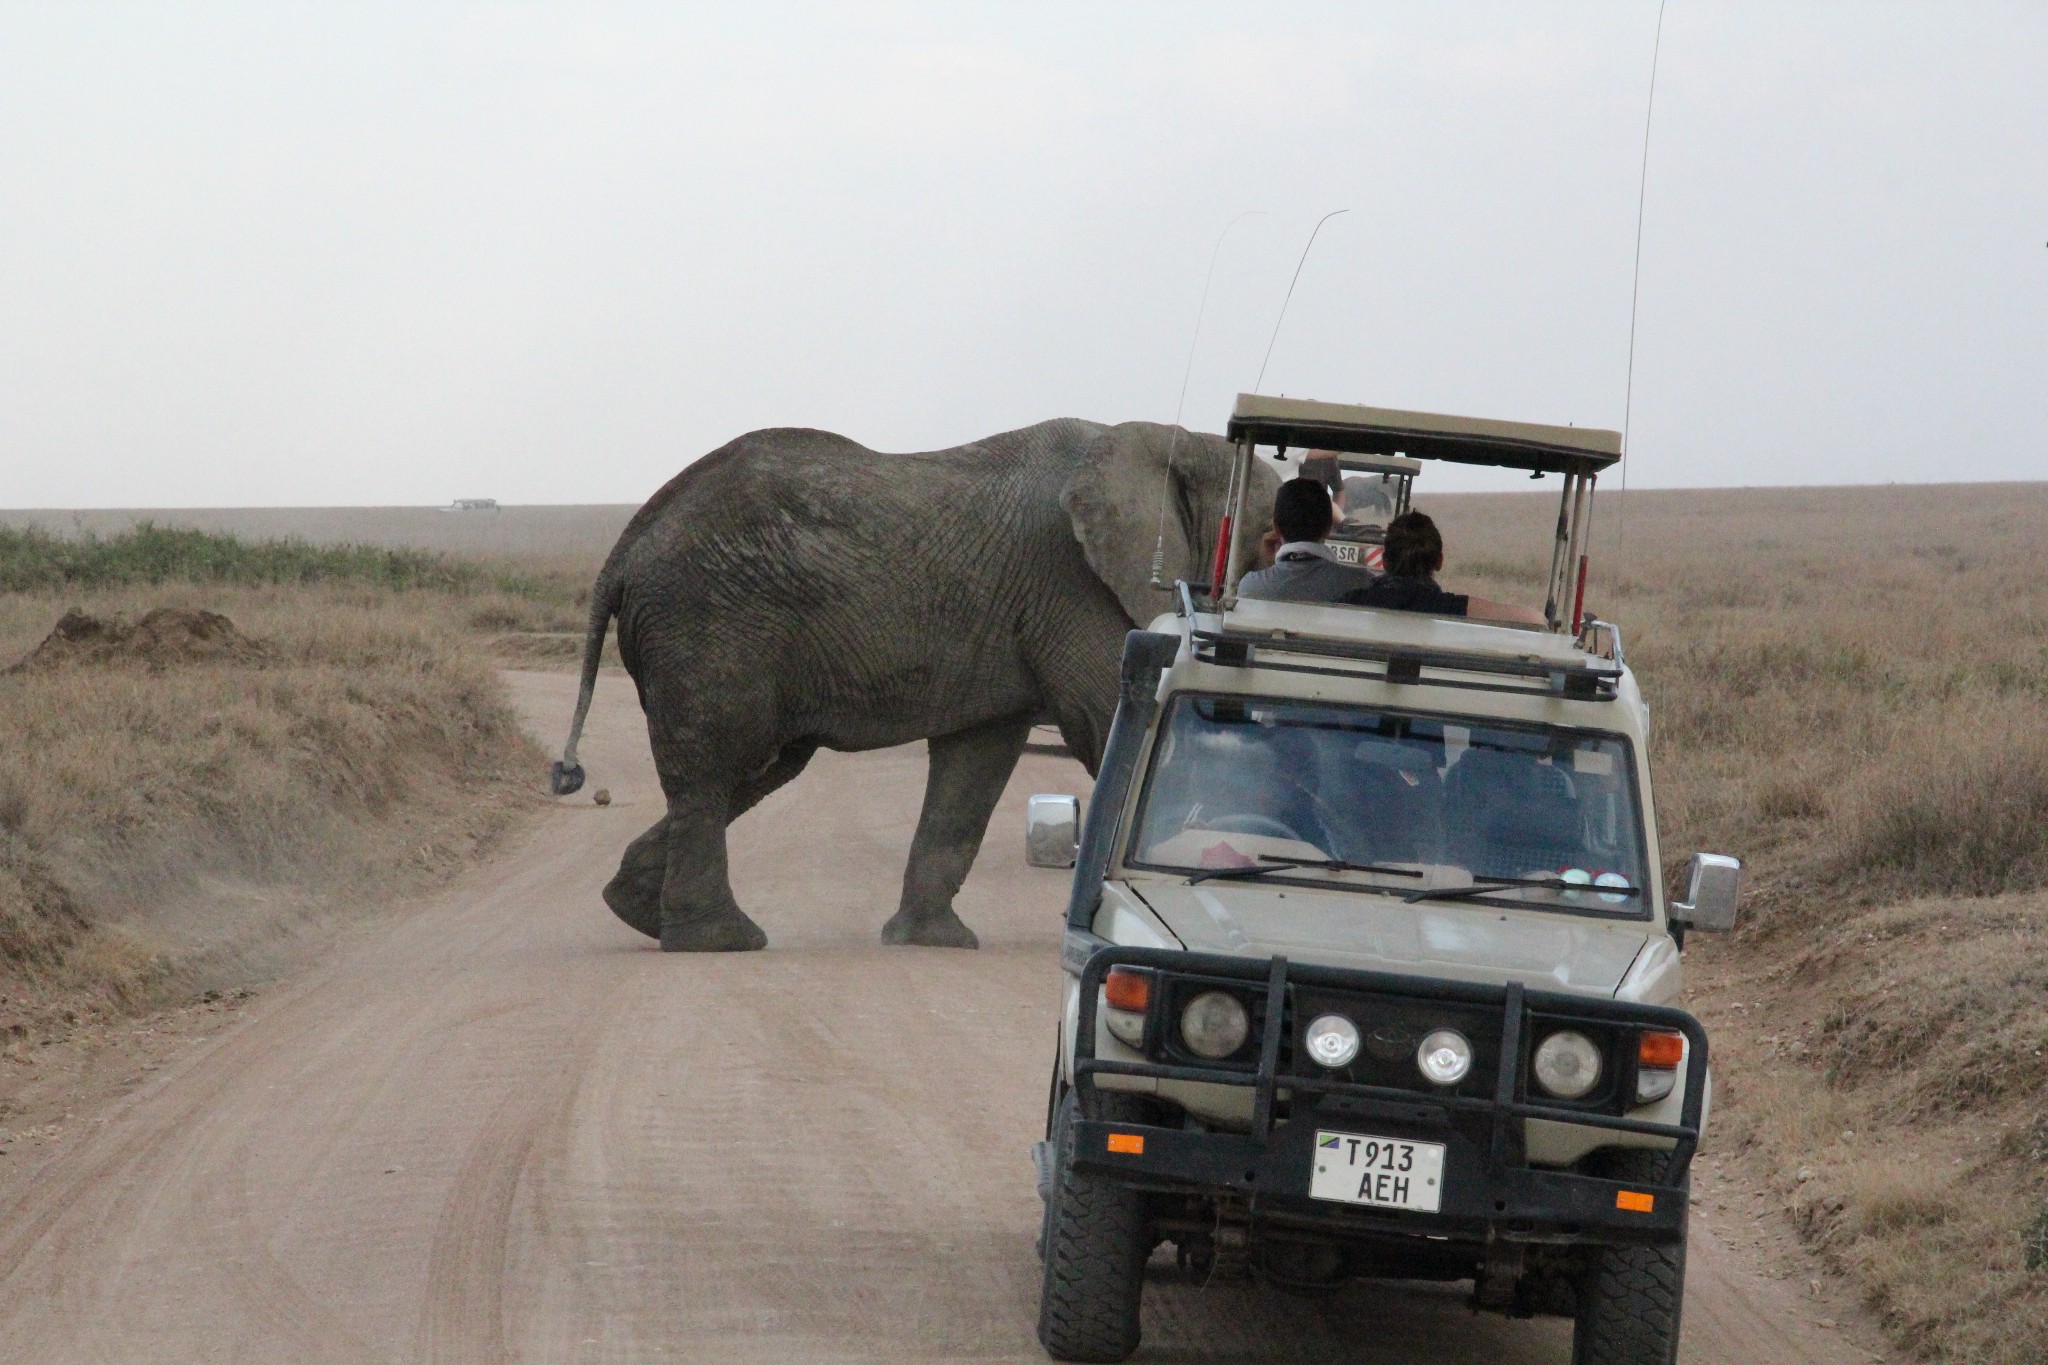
1489, 1191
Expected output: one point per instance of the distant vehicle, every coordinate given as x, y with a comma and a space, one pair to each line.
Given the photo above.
1366, 491
472, 505
1370, 968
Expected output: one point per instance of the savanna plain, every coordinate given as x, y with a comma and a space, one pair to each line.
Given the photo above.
1849, 690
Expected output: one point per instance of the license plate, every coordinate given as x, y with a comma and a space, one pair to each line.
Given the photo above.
1342, 552
1387, 1173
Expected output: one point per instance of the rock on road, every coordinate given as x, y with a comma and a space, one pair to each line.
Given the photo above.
501, 1127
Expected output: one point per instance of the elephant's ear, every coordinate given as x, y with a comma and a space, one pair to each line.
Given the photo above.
1122, 496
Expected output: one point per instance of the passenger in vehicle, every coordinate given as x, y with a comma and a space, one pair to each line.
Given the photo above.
1413, 557
1322, 466
1303, 570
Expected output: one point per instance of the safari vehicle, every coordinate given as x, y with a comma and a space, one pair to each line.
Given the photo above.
1370, 967
1367, 492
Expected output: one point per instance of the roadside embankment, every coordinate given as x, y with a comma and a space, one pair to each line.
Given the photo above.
216, 750
1850, 691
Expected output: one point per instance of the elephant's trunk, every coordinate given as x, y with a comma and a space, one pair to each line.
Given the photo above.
566, 776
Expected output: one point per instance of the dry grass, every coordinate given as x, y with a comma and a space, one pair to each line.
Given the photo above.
164, 830
1850, 691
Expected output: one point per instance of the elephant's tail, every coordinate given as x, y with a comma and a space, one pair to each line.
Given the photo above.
566, 776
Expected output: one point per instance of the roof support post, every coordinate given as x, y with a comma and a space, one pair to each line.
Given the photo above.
1240, 489
1559, 551
1582, 510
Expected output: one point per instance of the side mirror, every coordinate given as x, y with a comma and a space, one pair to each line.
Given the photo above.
1052, 831
1710, 892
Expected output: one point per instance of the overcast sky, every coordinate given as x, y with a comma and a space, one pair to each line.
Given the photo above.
273, 254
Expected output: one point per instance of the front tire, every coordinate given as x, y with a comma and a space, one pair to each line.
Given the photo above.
1096, 1244
1630, 1300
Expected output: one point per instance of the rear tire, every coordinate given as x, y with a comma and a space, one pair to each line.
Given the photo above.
1630, 1300
1096, 1244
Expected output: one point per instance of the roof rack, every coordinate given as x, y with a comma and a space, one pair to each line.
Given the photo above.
1591, 679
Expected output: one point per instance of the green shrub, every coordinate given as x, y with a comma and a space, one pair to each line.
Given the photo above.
31, 558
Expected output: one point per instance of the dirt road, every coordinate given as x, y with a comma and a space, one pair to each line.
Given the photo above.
503, 1128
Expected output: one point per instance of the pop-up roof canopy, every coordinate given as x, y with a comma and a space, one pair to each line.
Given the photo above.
1304, 424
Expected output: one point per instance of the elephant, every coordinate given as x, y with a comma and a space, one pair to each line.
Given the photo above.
794, 590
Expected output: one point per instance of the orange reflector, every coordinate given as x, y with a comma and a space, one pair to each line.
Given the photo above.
1131, 1143
1661, 1050
1127, 989
1628, 1201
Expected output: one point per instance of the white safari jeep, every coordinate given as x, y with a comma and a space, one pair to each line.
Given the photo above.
1370, 963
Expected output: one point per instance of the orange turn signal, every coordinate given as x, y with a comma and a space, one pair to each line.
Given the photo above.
1132, 1144
1661, 1050
1126, 988
1628, 1201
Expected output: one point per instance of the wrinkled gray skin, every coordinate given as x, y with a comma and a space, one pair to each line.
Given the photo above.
795, 591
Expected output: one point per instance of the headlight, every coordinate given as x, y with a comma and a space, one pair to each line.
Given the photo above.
1214, 1024
1568, 1065
1444, 1057
1332, 1040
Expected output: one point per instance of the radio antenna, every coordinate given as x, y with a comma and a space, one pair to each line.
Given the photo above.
1173, 441
1290, 294
1635, 288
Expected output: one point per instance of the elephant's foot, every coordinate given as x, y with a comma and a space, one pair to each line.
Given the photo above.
731, 932
941, 929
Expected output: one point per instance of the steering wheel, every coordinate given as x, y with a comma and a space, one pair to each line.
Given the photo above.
1255, 824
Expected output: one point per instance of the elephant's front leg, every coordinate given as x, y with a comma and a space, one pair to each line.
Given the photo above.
968, 772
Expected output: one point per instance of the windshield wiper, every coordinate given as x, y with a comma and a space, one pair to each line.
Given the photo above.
1482, 886
1268, 863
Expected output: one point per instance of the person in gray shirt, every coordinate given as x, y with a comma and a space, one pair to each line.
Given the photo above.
1303, 570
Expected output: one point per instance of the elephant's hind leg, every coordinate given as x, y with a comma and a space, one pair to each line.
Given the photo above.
698, 912
968, 772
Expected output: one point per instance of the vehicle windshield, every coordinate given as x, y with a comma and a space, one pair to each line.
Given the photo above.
1237, 782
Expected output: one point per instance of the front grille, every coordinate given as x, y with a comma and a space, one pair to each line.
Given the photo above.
1390, 1030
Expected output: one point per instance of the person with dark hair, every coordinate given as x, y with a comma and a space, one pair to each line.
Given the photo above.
1303, 570
1413, 556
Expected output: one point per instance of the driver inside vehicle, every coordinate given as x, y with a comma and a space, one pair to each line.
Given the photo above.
1233, 781
1237, 782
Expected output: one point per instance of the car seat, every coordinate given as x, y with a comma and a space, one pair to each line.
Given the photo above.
1509, 815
